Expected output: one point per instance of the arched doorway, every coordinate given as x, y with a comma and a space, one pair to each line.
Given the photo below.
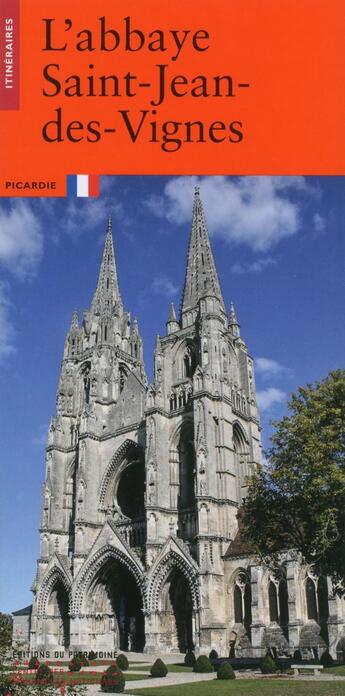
115, 606
176, 613
57, 626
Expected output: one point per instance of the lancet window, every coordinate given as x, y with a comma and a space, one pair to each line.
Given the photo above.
316, 592
242, 600
278, 601
86, 381
189, 362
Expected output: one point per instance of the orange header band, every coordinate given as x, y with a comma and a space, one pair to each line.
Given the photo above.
133, 87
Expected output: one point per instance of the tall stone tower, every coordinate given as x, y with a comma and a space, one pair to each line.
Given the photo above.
143, 483
203, 432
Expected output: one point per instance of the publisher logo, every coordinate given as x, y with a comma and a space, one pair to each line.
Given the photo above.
9, 54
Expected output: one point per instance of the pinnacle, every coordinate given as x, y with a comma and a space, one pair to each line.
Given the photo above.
233, 322
107, 293
172, 313
201, 276
75, 320
232, 316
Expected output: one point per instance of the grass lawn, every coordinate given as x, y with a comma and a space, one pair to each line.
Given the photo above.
248, 687
339, 670
179, 667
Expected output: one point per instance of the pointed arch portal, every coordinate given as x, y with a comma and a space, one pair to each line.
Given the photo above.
176, 612
174, 598
115, 608
57, 616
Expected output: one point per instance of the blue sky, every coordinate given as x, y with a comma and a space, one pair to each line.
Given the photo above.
279, 247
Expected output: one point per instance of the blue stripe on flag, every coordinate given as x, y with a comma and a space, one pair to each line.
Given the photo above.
71, 185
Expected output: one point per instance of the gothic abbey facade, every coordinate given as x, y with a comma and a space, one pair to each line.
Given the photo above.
139, 541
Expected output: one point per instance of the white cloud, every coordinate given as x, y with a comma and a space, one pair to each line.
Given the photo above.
163, 286
21, 239
319, 223
157, 205
6, 328
256, 211
267, 367
268, 397
107, 184
83, 215
255, 267
78, 215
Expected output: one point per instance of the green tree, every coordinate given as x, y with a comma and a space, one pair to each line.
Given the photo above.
6, 625
297, 500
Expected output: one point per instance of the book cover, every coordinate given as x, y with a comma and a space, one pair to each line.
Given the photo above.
171, 254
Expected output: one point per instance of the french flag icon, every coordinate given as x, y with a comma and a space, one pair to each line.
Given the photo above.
82, 185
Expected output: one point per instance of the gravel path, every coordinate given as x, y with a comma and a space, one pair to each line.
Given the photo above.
169, 680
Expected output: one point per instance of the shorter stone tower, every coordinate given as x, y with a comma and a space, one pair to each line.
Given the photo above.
97, 431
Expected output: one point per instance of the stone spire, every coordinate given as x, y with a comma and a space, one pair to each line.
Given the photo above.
233, 322
75, 321
172, 313
72, 337
172, 323
107, 295
201, 276
136, 342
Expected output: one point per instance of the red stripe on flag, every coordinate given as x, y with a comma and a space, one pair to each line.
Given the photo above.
93, 185
9, 54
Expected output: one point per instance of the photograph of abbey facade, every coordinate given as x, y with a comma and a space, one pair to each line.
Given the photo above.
139, 541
